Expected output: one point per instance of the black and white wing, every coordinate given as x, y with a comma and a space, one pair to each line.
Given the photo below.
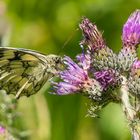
24, 72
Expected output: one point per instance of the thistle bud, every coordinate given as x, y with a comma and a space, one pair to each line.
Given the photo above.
104, 59
126, 57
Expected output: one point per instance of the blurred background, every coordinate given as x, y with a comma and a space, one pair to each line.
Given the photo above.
51, 27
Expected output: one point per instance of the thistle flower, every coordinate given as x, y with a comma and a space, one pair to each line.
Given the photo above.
101, 69
76, 79
130, 38
92, 37
131, 30
107, 78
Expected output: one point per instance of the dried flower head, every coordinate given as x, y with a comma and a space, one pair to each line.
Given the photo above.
131, 30
92, 36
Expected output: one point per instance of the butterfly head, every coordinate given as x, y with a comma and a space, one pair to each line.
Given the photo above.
55, 64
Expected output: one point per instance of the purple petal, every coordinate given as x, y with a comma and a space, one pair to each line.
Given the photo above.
84, 60
105, 78
64, 88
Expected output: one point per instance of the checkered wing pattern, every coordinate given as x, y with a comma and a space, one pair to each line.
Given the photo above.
24, 72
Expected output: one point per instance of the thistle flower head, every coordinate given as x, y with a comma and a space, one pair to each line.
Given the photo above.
74, 77
106, 78
92, 36
131, 30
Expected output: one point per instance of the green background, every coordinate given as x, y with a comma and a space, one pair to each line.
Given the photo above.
51, 27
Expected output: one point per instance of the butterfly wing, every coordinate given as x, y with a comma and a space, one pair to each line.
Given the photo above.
23, 72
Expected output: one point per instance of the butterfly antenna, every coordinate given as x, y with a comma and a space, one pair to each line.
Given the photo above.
68, 40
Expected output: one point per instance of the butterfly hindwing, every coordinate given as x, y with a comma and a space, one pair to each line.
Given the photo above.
22, 72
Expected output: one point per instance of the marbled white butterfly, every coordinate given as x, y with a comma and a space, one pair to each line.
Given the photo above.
24, 72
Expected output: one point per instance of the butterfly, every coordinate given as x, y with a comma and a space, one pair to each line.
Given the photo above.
23, 72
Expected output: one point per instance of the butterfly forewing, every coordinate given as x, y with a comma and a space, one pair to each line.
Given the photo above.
23, 72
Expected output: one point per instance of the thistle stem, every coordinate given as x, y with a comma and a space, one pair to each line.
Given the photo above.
130, 111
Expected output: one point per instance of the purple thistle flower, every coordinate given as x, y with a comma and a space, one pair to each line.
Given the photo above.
92, 37
131, 30
106, 78
75, 78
